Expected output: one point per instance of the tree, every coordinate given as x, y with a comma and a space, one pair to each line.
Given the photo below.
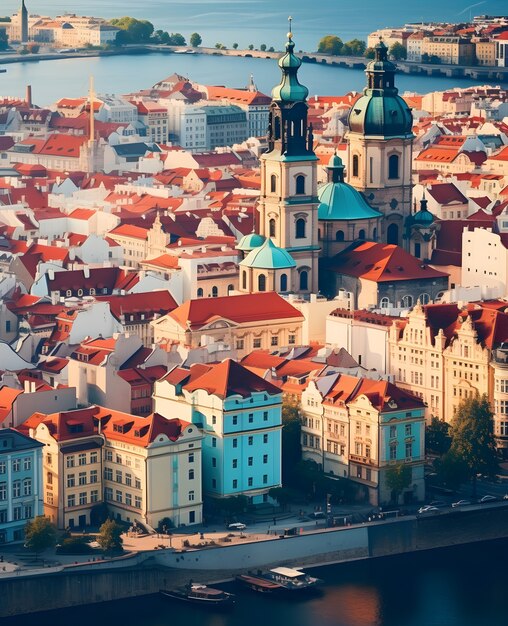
165, 524
109, 537
132, 30
235, 46
425, 58
437, 436
251, 46
330, 44
346, 50
234, 505
398, 51
162, 36
370, 53
283, 495
271, 49
291, 440
177, 39
4, 40
195, 40
473, 438
218, 46
398, 478
435, 60
451, 471
262, 47
357, 47
40, 534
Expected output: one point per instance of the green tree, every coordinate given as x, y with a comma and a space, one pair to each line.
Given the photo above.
165, 524
40, 534
162, 37
473, 438
271, 49
291, 440
398, 51
195, 40
177, 39
437, 436
330, 44
5, 19
218, 46
251, 46
425, 58
132, 30
4, 40
262, 47
451, 470
398, 478
283, 495
435, 60
357, 47
234, 505
370, 53
109, 537
235, 46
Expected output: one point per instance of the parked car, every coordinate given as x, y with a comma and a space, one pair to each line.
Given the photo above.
237, 526
317, 515
460, 503
428, 509
488, 498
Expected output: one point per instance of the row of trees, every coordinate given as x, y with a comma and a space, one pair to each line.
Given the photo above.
41, 534
133, 31
331, 44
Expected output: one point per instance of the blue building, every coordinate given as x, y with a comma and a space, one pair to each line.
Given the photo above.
21, 497
241, 416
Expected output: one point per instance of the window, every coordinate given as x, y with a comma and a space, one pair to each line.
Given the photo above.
265, 438
409, 450
300, 228
274, 341
339, 235
191, 474
235, 463
137, 483
82, 478
304, 280
250, 481
93, 457
215, 292
356, 165
250, 440
291, 339
251, 418
214, 461
214, 442
393, 166
71, 480
265, 416
235, 420
109, 455
283, 282
3, 491
128, 499
137, 502
261, 282
191, 457
108, 494
407, 301
27, 463
271, 228
408, 430
214, 419
361, 234
93, 476
191, 496
256, 343
83, 497
385, 303
393, 451
424, 298
235, 443
71, 500
17, 513
27, 511
108, 473
250, 461
273, 183
200, 292
16, 465
3, 467
300, 184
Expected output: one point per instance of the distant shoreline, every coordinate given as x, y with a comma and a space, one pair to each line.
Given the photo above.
479, 73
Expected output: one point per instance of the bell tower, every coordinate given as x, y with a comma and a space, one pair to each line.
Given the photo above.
380, 141
288, 202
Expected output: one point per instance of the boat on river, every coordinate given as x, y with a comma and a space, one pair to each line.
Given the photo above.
200, 594
279, 579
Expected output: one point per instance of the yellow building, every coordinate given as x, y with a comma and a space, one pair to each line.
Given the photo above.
450, 50
486, 52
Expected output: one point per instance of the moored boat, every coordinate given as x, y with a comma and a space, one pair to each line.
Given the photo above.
200, 594
291, 579
258, 583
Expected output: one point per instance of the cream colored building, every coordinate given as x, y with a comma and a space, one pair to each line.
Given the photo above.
450, 50
140, 468
242, 323
484, 262
485, 52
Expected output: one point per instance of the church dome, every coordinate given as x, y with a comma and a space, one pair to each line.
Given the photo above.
340, 201
290, 89
423, 218
268, 257
381, 112
250, 241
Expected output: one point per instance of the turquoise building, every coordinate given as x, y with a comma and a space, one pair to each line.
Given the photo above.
21, 497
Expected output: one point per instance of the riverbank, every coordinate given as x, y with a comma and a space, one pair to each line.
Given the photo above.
478, 73
146, 572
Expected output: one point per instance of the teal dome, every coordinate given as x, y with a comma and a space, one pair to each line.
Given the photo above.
250, 241
290, 89
338, 201
381, 112
268, 257
423, 218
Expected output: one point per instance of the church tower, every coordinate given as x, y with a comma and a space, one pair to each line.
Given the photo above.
380, 147
288, 202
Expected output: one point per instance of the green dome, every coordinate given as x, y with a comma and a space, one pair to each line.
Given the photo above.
268, 257
289, 89
250, 241
423, 217
381, 112
340, 201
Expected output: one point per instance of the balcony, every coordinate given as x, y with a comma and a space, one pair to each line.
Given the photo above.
336, 437
365, 460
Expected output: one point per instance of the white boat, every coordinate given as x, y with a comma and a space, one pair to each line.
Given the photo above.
291, 579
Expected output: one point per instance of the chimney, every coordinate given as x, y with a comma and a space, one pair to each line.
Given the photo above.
28, 96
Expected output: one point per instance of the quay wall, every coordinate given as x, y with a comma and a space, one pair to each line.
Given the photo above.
147, 572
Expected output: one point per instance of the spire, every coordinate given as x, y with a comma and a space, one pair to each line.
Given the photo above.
380, 71
423, 203
335, 169
290, 89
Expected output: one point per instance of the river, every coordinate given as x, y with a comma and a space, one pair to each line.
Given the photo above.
59, 78
458, 586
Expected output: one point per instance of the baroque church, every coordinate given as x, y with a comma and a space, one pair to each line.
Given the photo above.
302, 227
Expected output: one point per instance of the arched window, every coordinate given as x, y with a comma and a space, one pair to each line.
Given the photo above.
385, 303
271, 227
393, 166
424, 298
356, 165
230, 288
300, 228
273, 183
300, 184
215, 292
361, 234
261, 282
374, 234
304, 280
200, 293
339, 235
418, 249
244, 279
407, 301
392, 234
283, 282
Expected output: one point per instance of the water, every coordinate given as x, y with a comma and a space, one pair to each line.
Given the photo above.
459, 586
